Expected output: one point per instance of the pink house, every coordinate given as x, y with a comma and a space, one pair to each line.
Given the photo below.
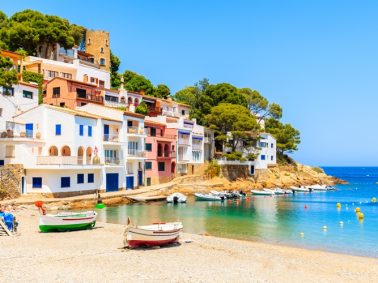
160, 165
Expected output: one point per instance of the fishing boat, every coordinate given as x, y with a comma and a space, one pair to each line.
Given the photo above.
262, 193
156, 234
67, 221
208, 197
300, 190
176, 198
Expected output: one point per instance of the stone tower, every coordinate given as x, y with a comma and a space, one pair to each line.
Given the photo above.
97, 43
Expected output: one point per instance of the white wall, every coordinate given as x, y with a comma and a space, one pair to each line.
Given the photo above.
268, 151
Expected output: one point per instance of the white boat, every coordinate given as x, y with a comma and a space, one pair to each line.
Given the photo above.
262, 193
288, 192
176, 198
278, 191
67, 221
320, 188
157, 234
208, 197
300, 189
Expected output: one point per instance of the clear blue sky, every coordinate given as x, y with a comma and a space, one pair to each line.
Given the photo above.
318, 59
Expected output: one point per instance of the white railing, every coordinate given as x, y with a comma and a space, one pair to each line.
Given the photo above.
170, 113
111, 137
59, 160
112, 161
136, 130
196, 146
182, 141
136, 153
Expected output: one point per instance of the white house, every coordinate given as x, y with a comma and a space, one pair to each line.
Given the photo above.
15, 100
267, 151
67, 152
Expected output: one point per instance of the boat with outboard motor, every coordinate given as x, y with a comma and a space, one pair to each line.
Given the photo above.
176, 198
208, 197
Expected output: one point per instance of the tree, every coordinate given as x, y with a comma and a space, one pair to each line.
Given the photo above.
8, 76
286, 136
233, 125
142, 108
224, 93
115, 78
162, 91
137, 83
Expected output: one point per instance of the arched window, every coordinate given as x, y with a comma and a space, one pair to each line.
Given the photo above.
80, 155
53, 151
166, 150
173, 167
66, 151
160, 150
129, 101
89, 155
136, 102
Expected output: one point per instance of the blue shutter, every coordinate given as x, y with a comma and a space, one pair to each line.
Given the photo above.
80, 178
65, 182
37, 182
81, 130
58, 129
90, 178
89, 131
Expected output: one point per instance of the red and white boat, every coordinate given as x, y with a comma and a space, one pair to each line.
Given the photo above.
157, 234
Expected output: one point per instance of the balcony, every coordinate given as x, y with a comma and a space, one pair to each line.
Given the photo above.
61, 160
16, 130
136, 153
136, 130
196, 146
167, 155
182, 141
90, 97
206, 140
170, 113
112, 161
111, 138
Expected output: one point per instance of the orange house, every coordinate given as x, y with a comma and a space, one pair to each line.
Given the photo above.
70, 93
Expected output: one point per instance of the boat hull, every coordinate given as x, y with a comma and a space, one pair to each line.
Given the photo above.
157, 236
262, 193
67, 221
203, 197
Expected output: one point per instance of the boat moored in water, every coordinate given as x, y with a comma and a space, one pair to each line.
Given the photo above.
300, 190
208, 197
176, 198
265, 192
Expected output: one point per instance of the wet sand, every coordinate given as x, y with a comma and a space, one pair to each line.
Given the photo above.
97, 256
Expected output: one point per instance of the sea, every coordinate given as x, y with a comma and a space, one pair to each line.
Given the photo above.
307, 220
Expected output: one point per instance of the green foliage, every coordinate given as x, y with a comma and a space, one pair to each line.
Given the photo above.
236, 155
286, 136
30, 29
115, 78
137, 83
36, 78
236, 120
142, 108
213, 169
251, 156
162, 91
284, 159
8, 76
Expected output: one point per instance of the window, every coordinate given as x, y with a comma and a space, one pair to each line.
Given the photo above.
9, 151
93, 80
89, 131
81, 130
148, 165
129, 123
153, 132
1, 112
101, 83
262, 157
102, 50
196, 155
102, 61
182, 112
56, 92
271, 145
81, 93
37, 182
62, 104
90, 178
148, 181
27, 94
58, 129
80, 178
65, 182
52, 74
148, 147
8, 91
1, 162
67, 76
271, 158
161, 166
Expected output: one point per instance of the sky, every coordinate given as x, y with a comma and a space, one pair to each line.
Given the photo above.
317, 59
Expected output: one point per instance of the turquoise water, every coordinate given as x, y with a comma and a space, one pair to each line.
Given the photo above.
279, 219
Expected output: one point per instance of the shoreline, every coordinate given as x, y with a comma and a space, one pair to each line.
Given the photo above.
94, 255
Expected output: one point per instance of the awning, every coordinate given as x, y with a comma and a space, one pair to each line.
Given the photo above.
184, 132
197, 138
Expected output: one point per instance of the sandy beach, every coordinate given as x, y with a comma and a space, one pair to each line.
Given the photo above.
97, 256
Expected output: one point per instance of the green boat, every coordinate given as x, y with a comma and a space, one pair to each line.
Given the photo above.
67, 221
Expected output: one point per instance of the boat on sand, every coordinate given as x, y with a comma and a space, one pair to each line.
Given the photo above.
156, 234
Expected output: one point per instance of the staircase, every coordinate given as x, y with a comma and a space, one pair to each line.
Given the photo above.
4, 230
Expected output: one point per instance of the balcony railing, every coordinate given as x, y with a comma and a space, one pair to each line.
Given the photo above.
136, 130
61, 160
171, 154
136, 153
91, 97
170, 113
112, 161
182, 141
111, 137
197, 146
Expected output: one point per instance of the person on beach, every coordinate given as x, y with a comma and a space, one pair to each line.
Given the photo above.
99, 199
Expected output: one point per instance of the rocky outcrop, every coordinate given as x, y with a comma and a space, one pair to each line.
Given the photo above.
10, 181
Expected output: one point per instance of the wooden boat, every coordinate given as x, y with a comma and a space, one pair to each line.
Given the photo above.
176, 198
157, 234
67, 221
208, 197
265, 192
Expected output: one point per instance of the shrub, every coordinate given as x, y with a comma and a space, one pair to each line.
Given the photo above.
213, 169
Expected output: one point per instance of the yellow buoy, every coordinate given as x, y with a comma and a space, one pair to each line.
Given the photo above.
338, 205
361, 215
341, 223
324, 227
357, 209
374, 200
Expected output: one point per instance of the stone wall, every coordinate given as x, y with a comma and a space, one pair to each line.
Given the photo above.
10, 180
234, 172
